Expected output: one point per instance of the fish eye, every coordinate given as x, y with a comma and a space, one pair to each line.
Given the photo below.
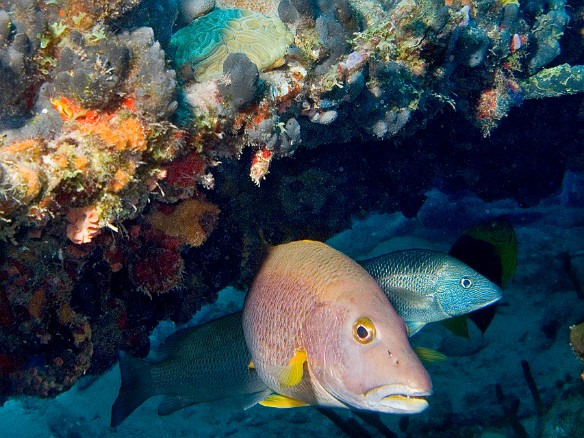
364, 331
465, 282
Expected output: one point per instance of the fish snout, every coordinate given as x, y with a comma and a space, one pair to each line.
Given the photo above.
408, 386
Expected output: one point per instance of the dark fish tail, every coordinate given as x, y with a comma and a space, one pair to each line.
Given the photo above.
136, 387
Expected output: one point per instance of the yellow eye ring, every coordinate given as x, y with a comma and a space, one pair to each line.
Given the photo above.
364, 331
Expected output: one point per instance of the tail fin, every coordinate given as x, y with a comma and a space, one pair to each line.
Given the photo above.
136, 387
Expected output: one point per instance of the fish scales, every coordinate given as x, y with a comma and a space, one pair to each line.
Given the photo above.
191, 371
194, 365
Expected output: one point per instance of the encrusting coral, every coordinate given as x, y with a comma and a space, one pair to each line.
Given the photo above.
266, 7
190, 221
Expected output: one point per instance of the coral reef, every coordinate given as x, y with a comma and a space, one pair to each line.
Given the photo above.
46, 345
116, 116
107, 116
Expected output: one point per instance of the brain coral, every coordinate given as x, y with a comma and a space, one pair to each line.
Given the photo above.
207, 41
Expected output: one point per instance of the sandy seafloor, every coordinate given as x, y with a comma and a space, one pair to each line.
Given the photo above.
532, 323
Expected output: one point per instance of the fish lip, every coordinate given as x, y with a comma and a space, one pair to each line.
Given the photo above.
493, 301
473, 308
398, 398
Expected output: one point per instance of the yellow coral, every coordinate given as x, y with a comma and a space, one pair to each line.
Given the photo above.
21, 178
191, 221
31, 148
29, 181
125, 135
122, 177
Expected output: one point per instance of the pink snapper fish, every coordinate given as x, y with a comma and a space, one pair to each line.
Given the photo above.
320, 331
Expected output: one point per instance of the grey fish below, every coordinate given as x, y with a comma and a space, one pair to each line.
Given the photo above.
197, 364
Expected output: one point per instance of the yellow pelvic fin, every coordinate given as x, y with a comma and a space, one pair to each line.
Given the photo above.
250, 365
291, 374
282, 402
427, 355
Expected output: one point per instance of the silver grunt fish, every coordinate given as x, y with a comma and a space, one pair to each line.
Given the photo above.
426, 286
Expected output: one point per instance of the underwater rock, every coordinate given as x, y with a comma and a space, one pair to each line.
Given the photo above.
554, 81
151, 83
191, 9
547, 30
266, 7
21, 25
91, 74
240, 86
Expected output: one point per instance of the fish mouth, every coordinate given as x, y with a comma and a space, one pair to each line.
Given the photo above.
471, 308
397, 399
485, 303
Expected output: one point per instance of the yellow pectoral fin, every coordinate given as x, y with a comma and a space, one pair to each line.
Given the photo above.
281, 401
428, 356
291, 374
